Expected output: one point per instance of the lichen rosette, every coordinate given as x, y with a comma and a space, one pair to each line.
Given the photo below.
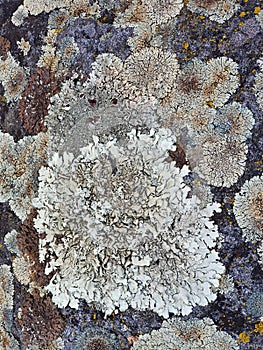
117, 228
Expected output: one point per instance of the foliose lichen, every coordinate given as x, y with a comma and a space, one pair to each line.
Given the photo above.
194, 334
248, 209
137, 227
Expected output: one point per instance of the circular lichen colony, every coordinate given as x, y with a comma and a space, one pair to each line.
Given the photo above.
222, 161
216, 10
248, 208
193, 334
117, 228
95, 339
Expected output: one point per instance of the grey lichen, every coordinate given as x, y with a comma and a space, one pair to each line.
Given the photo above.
12, 77
234, 121
258, 85
254, 304
194, 334
151, 71
7, 340
96, 339
20, 164
248, 209
220, 161
85, 109
218, 11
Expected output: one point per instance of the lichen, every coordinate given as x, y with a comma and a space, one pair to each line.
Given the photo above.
161, 11
136, 218
248, 209
22, 269
154, 12
194, 334
7, 341
96, 339
218, 11
20, 163
258, 85
24, 46
11, 242
12, 77
254, 304
151, 71
221, 80
85, 109
234, 121
77, 7
220, 161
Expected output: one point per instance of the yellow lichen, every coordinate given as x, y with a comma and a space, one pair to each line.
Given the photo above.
259, 327
210, 104
257, 10
244, 337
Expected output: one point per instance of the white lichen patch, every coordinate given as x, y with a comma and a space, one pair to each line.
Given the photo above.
151, 71
219, 161
76, 7
216, 10
23, 46
260, 253
154, 12
49, 58
259, 18
143, 36
134, 14
248, 209
234, 121
258, 84
6, 290
12, 77
194, 334
128, 233
19, 15
22, 269
161, 11
106, 75
20, 163
11, 242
